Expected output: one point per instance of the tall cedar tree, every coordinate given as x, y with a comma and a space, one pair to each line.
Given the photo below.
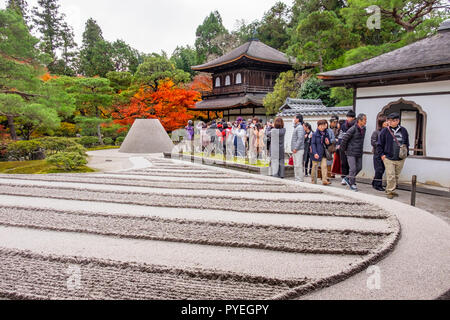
273, 29
124, 57
96, 53
210, 29
21, 7
55, 33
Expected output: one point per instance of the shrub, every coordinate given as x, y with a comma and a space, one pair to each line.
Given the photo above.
41, 148
89, 142
23, 150
53, 145
119, 141
77, 148
108, 141
4, 143
67, 129
67, 160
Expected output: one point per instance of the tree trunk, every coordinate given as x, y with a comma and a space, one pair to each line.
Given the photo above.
99, 133
321, 62
12, 127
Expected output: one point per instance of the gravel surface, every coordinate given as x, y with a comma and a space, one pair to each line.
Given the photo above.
343, 208
161, 184
26, 275
208, 233
192, 252
182, 175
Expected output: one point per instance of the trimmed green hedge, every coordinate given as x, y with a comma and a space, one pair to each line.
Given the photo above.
67, 161
42, 148
89, 142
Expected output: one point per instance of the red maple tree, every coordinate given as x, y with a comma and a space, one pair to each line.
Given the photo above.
169, 104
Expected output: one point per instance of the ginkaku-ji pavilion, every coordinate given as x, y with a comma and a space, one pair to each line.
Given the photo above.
241, 80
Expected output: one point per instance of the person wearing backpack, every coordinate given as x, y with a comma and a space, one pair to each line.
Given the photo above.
393, 149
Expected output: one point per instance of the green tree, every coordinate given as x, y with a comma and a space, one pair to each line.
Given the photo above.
21, 7
66, 65
322, 37
314, 90
184, 58
245, 32
286, 86
355, 16
119, 81
273, 28
301, 9
96, 53
34, 117
21, 65
342, 96
210, 29
93, 99
54, 31
408, 14
158, 67
124, 57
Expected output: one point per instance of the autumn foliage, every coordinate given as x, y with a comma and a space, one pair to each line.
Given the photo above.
47, 76
168, 103
202, 83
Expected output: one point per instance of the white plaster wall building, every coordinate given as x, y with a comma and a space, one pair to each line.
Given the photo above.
414, 81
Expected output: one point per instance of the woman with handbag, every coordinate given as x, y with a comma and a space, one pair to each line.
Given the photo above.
320, 141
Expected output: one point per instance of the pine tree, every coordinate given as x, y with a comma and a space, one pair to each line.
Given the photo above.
66, 65
54, 31
96, 53
21, 7
25, 97
211, 28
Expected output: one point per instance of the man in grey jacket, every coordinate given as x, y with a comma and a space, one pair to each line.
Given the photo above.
298, 148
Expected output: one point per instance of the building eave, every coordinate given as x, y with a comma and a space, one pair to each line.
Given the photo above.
419, 74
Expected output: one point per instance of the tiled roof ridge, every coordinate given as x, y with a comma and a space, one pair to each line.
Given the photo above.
253, 49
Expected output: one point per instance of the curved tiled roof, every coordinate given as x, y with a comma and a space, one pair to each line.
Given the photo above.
292, 107
429, 52
231, 102
253, 49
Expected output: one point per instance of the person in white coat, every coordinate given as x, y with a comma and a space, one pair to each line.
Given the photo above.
298, 148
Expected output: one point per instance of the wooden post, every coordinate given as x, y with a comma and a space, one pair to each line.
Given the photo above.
413, 191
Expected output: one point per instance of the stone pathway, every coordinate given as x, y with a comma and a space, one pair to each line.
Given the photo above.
170, 231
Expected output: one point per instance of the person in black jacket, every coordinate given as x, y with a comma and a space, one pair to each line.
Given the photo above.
319, 141
353, 146
308, 159
378, 164
388, 148
351, 120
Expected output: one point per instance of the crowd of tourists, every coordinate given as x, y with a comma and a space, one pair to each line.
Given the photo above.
336, 148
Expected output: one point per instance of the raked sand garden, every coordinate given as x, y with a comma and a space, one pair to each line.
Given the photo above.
165, 229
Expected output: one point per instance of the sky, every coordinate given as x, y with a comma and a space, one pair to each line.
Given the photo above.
154, 25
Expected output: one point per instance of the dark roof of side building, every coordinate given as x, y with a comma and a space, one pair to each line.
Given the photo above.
255, 50
231, 102
292, 107
429, 53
